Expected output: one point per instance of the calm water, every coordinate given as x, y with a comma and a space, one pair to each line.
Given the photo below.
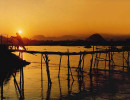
96, 87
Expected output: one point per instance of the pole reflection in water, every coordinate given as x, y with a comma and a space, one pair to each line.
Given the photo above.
20, 86
41, 79
48, 92
60, 87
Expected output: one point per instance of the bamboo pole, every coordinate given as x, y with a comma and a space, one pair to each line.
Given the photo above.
91, 63
109, 60
79, 65
95, 60
41, 60
128, 60
47, 68
83, 62
69, 69
59, 65
17, 86
22, 82
98, 60
41, 82
123, 60
105, 61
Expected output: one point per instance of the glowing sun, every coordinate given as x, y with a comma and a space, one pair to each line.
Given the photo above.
19, 31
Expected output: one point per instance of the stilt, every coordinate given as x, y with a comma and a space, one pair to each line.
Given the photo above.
83, 62
48, 92
41, 80
17, 86
69, 69
59, 65
91, 83
79, 65
128, 60
47, 68
41, 60
22, 83
68, 74
91, 62
95, 60
60, 87
109, 60
105, 61
98, 60
123, 60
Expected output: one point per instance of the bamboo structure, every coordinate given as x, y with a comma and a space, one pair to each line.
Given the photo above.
94, 61
96, 58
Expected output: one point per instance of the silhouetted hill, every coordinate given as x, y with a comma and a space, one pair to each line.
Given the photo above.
96, 38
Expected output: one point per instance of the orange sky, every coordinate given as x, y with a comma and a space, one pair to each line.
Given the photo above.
60, 17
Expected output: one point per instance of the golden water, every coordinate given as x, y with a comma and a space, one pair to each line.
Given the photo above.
36, 84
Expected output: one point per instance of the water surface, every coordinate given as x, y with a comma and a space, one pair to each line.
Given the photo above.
104, 86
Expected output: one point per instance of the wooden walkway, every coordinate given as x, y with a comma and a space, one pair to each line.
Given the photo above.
72, 53
94, 60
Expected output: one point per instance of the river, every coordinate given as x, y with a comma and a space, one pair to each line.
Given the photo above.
104, 86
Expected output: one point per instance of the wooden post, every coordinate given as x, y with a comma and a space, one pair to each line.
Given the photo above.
68, 74
98, 60
91, 62
109, 60
17, 86
47, 68
59, 65
128, 60
105, 61
60, 87
41, 60
20, 79
123, 60
83, 62
48, 92
95, 60
79, 66
68, 67
22, 83
41, 79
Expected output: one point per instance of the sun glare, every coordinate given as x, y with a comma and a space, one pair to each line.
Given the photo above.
19, 31
20, 48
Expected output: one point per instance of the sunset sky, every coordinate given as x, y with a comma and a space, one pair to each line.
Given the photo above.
64, 17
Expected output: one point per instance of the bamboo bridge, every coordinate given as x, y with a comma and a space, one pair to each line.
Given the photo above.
94, 61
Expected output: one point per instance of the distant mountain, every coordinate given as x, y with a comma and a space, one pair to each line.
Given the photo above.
64, 37
38, 37
96, 38
68, 37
